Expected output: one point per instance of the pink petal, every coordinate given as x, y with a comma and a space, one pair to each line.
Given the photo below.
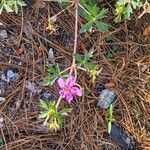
70, 81
77, 91
61, 83
69, 97
62, 93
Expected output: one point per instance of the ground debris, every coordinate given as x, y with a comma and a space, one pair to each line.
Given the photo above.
123, 139
32, 88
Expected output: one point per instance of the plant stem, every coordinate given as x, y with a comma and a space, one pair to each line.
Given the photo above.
57, 104
45, 122
73, 66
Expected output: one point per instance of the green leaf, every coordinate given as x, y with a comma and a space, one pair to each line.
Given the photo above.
50, 80
21, 3
102, 14
102, 26
1, 143
88, 55
78, 57
128, 11
121, 2
111, 110
44, 114
109, 127
44, 105
16, 8
7, 7
86, 26
65, 111
1, 8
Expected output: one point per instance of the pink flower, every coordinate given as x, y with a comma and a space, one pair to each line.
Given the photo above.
68, 88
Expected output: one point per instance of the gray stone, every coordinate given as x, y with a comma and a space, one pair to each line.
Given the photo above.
11, 75
3, 34
106, 97
2, 99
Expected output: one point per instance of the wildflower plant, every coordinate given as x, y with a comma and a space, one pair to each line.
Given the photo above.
11, 5
94, 16
124, 9
110, 118
66, 80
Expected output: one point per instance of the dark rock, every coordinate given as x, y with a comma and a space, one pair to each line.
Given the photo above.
46, 95
106, 97
123, 139
7, 50
100, 88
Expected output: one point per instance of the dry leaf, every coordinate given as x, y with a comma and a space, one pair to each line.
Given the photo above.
146, 31
109, 85
20, 50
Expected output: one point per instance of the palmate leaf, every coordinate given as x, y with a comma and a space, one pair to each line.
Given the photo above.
88, 55
86, 26
103, 27
65, 111
102, 14
7, 8
50, 80
44, 114
44, 105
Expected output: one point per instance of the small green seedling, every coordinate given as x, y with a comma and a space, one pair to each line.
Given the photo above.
11, 5
54, 72
94, 16
124, 9
85, 63
53, 117
110, 118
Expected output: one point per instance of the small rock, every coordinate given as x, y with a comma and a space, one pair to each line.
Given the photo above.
1, 125
1, 122
50, 54
32, 88
47, 95
100, 88
3, 34
2, 99
1, 119
106, 97
11, 75
123, 139
7, 50
2, 87
3, 77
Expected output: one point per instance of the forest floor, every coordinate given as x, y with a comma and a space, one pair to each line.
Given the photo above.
125, 61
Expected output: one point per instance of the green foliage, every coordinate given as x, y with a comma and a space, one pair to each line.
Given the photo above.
54, 73
110, 118
93, 14
1, 143
11, 5
124, 9
85, 63
54, 117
